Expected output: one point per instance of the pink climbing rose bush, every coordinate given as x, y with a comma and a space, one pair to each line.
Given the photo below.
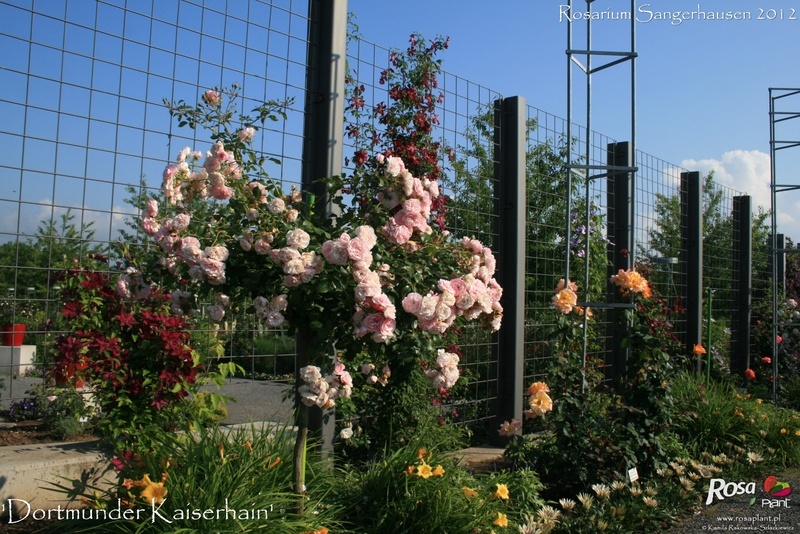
378, 279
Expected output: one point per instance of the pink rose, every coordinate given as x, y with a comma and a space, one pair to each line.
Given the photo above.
212, 98
412, 303
357, 249
246, 134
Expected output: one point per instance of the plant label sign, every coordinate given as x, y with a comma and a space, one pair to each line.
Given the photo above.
633, 474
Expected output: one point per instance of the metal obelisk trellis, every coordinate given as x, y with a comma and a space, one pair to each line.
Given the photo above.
778, 113
581, 164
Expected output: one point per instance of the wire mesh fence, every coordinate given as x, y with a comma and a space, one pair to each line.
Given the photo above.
87, 132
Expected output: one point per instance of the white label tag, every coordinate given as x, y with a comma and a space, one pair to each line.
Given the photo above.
633, 474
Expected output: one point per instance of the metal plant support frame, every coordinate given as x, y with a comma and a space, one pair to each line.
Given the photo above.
581, 165
777, 249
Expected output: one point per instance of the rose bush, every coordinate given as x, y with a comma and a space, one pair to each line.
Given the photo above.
376, 285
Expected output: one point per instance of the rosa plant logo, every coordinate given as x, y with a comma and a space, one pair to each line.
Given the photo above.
775, 488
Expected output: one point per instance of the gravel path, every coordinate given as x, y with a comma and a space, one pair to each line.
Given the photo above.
735, 514
255, 401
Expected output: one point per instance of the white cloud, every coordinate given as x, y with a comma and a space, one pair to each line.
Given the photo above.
748, 171
743, 170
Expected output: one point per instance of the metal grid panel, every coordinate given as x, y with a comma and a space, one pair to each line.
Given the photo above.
85, 120
465, 130
658, 229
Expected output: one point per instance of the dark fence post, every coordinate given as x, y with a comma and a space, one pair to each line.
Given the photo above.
742, 284
510, 151
323, 146
692, 260
620, 233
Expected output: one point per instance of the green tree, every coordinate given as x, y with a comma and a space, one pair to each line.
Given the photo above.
53, 247
665, 239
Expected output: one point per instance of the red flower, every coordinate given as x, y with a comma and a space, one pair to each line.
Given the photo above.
72, 309
779, 339
766, 360
750, 374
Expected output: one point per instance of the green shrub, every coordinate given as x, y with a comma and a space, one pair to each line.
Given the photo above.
211, 469
419, 490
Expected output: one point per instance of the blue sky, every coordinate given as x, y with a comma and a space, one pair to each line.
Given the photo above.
702, 85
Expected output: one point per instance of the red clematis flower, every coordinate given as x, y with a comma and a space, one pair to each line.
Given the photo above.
750, 374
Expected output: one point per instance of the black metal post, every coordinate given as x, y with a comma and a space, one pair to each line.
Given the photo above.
692, 257
509, 170
742, 284
620, 232
323, 145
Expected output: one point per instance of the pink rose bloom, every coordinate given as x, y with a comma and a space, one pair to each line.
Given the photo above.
446, 285
387, 328
408, 184
222, 193
181, 221
464, 301
365, 291
412, 205
297, 238
291, 280
397, 234
292, 215
412, 303
212, 98
274, 318
261, 246
218, 253
380, 302
459, 287
233, 171
276, 205
346, 379
246, 134
212, 164
216, 179
367, 368
278, 303
294, 266
288, 254
394, 166
365, 276
313, 262
150, 226
418, 189
151, 210
123, 287
367, 235
216, 313
357, 249
364, 263
427, 310
373, 322
335, 252
214, 271
433, 189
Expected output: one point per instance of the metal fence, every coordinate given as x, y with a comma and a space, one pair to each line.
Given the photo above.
85, 126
